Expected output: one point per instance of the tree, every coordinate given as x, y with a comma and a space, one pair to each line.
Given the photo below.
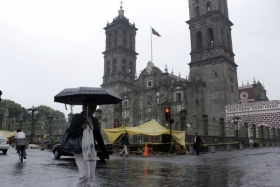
15, 109
44, 112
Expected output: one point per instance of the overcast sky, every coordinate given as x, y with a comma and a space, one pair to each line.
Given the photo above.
49, 45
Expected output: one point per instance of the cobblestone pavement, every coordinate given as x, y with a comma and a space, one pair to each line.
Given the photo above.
246, 168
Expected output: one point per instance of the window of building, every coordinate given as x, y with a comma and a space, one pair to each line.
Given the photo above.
149, 83
124, 42
208, 8
124, 65
197, 13
198, 40
196, 101
125, 104
232, 89
130, 67
108, 67
228, 42
116, 42
222, 33
196, 89
210, 36
178, 97
124, 33
149, 100
115, 66
116, 32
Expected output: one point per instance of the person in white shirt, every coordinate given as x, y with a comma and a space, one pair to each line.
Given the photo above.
19, 137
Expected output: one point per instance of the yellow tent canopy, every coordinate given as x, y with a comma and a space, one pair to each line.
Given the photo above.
8, 134
151, 128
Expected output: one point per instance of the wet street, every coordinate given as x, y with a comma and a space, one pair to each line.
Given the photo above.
249, 167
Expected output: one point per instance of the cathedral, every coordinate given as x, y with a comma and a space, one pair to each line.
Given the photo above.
210, 86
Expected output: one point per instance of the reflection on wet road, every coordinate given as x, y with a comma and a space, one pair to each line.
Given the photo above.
257, 167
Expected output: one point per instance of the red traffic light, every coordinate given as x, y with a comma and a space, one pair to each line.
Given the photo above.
166, 110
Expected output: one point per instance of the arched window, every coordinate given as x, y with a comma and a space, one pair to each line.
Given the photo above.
124, 33
116, 42
108, 67
210, 36
115, 66
197, 12
198, 40
208, 7
222, 33
130, 68
124, 65
116, 32
130, 36
228, 42
124, 42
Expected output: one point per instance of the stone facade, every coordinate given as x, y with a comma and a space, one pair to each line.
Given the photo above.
256, 119
212, 81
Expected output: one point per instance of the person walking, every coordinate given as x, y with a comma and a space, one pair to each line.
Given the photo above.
78, 123
124, 141
196, 143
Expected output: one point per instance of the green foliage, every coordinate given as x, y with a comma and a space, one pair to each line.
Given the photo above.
19, 112
14, 109
44, 112
256, 142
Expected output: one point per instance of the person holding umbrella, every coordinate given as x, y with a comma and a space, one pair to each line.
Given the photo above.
78, 123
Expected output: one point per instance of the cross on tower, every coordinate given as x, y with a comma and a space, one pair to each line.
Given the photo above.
121, 4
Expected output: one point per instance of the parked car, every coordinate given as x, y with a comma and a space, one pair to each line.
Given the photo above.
4, 144
58, 152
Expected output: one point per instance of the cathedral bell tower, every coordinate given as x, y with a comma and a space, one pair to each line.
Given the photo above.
213, 72
119, 55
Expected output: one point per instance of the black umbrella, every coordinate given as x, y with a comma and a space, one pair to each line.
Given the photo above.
76, 96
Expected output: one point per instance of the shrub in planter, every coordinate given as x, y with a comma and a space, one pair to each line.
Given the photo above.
256, 143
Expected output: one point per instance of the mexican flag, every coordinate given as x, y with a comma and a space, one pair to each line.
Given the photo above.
156, 33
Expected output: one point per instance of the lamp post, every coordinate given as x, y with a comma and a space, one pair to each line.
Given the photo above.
32, 111
50, 124
235, 121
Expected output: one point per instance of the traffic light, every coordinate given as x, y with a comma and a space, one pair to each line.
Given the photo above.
167, 114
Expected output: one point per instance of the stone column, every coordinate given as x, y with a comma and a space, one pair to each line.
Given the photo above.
262, 131
205, 124
183, 114
246, 130
268, 133
222, 125
254, 131
1, 120
274, 133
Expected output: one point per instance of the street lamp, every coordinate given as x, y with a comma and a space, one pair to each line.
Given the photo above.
235, 121
50, 124
32, 111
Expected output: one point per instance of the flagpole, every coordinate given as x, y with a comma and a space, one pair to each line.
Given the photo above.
151, 45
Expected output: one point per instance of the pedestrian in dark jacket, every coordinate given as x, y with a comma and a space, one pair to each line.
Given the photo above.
78, 123
196, 143
124, 141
